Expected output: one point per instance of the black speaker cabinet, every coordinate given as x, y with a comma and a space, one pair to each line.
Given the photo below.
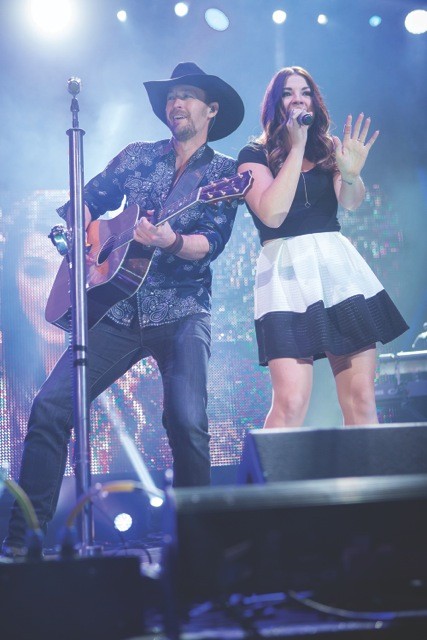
360, 539
275, 455
88, 598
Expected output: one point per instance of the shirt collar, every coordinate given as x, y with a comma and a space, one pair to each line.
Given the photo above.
169, 148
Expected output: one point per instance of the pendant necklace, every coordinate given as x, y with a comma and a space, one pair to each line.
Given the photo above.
307, 203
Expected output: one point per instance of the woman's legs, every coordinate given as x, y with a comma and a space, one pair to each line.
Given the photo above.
292, 381
354, 377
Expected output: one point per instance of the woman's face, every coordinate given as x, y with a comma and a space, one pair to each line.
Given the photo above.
297, 94
35, 274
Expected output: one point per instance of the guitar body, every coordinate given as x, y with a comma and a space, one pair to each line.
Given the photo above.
117, 265
112, 274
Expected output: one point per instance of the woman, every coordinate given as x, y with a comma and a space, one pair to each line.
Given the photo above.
315, 296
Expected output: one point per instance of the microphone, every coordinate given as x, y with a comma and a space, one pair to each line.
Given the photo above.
305, 118
74, 85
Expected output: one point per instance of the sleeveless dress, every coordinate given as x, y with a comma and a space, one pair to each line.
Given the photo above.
314, 293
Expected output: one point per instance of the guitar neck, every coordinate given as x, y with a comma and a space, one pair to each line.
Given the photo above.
177, 207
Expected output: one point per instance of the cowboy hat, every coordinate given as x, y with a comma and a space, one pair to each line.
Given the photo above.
231, 109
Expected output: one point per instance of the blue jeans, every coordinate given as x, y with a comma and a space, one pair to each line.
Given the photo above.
182, 351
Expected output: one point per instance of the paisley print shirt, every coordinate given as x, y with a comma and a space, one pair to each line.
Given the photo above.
142, 174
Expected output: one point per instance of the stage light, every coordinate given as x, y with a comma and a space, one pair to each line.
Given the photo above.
156, 501
217, 19
181, 9
375, 21
416, 21
322, 19
279, 16
122, 16
123, 522
51, 16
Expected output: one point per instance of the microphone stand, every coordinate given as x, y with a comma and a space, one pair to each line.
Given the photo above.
79, 339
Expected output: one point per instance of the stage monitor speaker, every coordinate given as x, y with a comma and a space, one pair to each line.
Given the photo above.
275, 455
88, 598
360, 539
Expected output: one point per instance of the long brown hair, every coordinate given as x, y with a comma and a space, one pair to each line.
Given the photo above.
275, 139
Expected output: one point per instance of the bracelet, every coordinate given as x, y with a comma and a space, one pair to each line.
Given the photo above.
176, 245
346, 181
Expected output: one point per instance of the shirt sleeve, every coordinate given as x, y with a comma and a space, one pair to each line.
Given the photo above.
250, 153
105, 191
216, 224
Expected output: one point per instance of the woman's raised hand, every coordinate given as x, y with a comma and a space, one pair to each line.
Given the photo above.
352, 152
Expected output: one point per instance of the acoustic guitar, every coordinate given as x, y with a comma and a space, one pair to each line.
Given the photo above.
118, 265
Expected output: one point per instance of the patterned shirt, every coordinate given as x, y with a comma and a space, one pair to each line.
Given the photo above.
143, 174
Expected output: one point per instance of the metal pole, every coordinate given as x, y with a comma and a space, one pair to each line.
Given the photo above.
79, 339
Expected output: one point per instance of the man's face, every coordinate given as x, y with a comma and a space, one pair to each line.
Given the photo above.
187, 112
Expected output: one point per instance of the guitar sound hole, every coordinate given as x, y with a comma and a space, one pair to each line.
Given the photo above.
106, 250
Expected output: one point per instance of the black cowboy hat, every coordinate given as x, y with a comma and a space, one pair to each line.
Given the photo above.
231, 109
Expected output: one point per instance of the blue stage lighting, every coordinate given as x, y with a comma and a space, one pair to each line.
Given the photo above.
416, 21
375, 21
279, 16
181, 9
123, 522
217, 19
52, 16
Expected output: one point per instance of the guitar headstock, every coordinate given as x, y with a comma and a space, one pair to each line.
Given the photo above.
227, 188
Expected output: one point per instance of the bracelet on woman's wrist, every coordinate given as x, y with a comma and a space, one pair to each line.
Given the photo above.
176, 245
348, 181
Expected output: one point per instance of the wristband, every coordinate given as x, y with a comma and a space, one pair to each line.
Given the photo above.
176, 245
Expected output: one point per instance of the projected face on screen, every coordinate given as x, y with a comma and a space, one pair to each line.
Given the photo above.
35, 271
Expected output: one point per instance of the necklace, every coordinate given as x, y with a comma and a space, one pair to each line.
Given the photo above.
307, 203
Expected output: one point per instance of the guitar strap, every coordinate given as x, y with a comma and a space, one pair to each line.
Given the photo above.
189, 180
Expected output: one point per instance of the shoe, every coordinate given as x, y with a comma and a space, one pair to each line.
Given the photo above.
32, 549
17, 554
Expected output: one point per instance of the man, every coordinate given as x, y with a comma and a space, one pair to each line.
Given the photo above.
169, 316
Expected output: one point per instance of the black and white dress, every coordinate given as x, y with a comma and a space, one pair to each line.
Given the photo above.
314, 293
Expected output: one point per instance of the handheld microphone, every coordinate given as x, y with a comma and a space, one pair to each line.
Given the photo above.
305, 118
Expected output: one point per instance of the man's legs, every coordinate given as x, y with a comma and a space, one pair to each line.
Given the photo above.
112, 351
182, 351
